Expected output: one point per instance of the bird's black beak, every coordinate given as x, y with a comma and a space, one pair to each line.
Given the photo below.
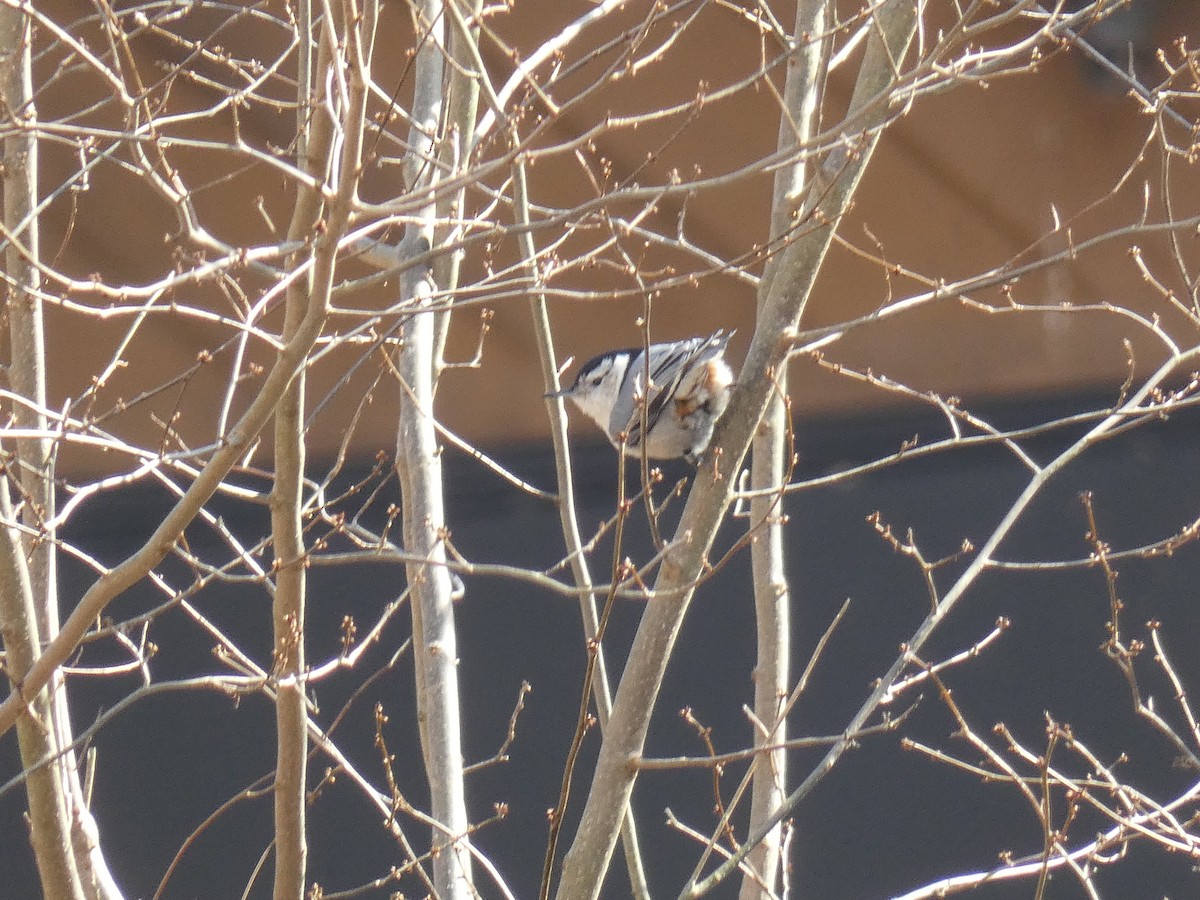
561, 392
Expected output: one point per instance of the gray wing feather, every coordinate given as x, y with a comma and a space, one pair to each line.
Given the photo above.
669, 364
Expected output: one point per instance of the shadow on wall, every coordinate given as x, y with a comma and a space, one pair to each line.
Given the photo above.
884, 821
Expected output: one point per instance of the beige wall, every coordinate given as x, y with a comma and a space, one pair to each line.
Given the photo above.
963, 183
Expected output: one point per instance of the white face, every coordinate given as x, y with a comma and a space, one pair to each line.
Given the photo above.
595, 389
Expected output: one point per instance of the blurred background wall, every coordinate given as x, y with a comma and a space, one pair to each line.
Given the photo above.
969, 181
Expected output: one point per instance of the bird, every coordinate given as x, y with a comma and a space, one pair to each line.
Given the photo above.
689, 388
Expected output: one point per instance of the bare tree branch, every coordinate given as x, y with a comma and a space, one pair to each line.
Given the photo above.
418, 463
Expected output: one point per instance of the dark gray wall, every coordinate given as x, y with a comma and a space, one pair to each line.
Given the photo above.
885, 820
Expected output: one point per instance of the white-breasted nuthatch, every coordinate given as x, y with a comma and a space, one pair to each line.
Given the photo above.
690, 383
